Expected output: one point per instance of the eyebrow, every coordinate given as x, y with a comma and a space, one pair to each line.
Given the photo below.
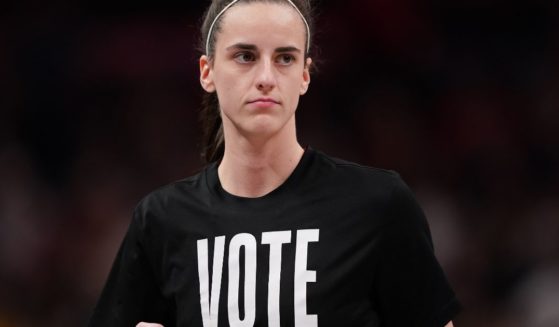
252, 47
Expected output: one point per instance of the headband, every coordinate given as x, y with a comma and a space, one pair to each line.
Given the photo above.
234, 2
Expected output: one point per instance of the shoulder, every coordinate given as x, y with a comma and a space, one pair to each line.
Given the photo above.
382, 190
356, 175
171, 199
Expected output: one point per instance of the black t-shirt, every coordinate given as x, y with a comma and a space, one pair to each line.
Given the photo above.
337, 244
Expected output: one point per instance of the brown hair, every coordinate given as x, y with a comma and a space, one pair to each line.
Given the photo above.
213, 142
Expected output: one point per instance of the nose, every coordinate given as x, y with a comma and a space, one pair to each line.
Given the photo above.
265, 76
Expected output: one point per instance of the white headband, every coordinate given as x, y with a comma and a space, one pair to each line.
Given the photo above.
235, 1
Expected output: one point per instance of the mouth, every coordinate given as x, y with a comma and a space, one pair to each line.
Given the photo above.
263, 101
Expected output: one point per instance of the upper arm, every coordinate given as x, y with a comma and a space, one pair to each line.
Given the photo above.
409, 284
131, 293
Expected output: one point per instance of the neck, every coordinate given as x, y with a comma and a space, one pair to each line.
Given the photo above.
253, 168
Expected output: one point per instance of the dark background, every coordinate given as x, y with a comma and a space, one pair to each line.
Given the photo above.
99, 103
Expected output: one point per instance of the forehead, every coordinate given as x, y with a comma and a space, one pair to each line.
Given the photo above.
264, 23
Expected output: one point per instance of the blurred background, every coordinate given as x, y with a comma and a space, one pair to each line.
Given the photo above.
99, 105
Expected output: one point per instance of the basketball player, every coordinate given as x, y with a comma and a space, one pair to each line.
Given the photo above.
271, 233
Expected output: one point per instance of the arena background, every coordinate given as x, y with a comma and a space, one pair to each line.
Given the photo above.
99, 103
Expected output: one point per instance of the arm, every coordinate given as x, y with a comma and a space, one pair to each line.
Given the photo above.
409, 285
131, 293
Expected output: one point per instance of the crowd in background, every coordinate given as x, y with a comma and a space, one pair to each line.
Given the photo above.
99, 105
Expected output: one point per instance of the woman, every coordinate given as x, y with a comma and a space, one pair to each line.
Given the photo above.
270, 233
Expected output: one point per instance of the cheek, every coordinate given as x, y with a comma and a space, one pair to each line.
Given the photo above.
223, 87
293, 87
229, 90
232, 80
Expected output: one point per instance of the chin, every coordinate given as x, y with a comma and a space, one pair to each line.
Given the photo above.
263, 128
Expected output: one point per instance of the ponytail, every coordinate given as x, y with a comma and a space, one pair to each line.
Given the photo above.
210, 117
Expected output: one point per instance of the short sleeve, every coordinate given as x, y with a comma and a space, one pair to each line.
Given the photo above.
410, 287
131, 293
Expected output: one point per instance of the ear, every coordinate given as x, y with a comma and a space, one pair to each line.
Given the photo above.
306, 76
206, 74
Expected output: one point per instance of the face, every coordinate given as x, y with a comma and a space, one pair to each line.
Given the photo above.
258, 70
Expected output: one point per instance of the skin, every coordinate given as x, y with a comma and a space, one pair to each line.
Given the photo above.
259, 54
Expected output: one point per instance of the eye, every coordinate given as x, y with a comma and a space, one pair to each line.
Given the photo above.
244, 57
285, 59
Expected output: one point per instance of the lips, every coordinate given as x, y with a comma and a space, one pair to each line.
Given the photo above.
264, 101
